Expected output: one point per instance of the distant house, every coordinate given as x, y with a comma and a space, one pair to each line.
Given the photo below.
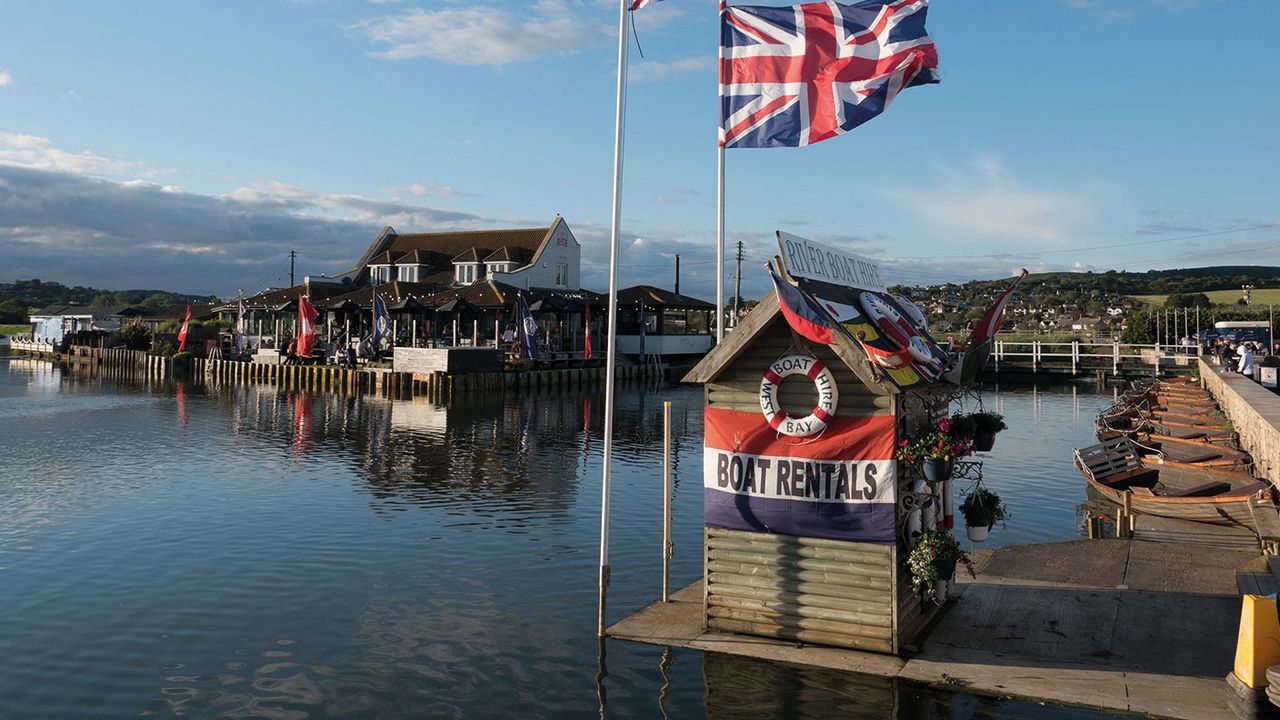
55, 322
1115, 311
674, 324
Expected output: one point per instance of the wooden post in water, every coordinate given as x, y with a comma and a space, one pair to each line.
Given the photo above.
1127, 509
666, 501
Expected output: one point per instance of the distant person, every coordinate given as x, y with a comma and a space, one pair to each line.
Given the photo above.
1246, 363
509, 335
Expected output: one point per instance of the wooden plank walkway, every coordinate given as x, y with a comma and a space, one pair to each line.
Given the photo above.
1124, 625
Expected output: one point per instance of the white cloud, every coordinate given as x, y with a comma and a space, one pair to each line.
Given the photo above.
70, 96
6, 77
485, 34
984, 203
654, 71
39, 153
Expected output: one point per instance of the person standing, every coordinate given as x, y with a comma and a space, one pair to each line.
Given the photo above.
1246, 364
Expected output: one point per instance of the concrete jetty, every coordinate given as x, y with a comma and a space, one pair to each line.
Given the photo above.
1126, 625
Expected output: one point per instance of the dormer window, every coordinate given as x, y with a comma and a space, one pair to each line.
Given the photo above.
498, 267
466, 273
409, 273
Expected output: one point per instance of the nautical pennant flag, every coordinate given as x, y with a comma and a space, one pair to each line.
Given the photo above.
586, 345
797, 75
806, 318
973, 359
182, 334
528, 330
307, 315
381, 322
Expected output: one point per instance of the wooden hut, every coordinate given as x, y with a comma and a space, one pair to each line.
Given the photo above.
806, 538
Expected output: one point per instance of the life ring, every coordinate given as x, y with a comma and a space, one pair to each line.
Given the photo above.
823, 380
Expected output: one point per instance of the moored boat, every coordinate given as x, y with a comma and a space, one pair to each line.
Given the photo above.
1114, 468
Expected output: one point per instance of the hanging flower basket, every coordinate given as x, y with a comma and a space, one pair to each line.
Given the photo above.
984, 441
985, 427
982, 509
933, 561
934, 451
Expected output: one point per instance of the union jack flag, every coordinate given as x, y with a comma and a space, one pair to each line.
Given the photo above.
637, 4
797, 75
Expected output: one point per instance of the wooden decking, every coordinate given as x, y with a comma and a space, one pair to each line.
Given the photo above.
1125, 625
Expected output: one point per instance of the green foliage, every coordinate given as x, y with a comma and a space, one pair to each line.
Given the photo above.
166, 348
988, 422
135, 335
935, 548
1187, 300
1139, 328
13, 311
983, 508
38, 294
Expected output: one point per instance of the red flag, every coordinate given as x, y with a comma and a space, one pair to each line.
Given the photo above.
587, 344
182, 334
306, 326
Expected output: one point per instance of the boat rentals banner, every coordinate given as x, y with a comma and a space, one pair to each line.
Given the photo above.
841, 485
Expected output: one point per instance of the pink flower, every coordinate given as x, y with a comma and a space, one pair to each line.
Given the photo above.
944, 425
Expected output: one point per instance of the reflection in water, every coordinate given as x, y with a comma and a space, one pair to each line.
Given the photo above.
748, 689
245, 551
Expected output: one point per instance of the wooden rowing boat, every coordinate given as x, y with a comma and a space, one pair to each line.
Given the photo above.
1114, 468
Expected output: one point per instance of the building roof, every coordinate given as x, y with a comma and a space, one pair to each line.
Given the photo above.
439, 250
95, 311
178, 312
278, 299
506, 253
658, 298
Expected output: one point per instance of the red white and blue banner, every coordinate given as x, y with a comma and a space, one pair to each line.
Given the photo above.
840, 485
800, 74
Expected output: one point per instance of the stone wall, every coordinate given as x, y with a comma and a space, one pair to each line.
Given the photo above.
1254, 412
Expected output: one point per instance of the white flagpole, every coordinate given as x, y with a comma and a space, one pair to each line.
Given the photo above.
720, 323
611, 354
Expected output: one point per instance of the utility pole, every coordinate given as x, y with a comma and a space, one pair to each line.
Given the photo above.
737, 285
292, 255
677, 274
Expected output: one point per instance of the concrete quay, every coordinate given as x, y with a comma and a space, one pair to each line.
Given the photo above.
1124, 625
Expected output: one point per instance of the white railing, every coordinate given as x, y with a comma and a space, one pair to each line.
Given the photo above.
30, 346
1088, 355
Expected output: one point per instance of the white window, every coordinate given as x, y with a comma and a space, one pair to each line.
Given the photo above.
408, 273
562, 274
466, 273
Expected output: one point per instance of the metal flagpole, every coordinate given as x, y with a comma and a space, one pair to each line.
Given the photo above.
719, 188
611, 354
719, 238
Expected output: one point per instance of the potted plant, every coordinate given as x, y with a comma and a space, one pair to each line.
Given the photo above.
982, 509
934, 451
933, 561
985, 427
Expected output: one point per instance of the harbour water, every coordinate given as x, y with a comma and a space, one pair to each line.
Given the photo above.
192, 551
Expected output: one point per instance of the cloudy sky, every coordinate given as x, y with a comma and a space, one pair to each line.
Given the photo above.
190, 146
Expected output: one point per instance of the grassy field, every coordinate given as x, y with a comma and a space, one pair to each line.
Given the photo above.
14, 329
1260, 296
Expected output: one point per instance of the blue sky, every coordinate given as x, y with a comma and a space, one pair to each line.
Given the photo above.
192, 145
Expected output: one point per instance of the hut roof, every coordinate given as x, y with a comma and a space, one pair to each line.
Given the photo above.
762, 318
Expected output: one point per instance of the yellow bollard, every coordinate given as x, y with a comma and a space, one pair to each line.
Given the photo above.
1258, 644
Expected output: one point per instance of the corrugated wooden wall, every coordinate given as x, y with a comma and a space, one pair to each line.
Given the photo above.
829, 592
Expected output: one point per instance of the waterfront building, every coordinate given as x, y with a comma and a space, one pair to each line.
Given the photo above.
460, 288
53, 323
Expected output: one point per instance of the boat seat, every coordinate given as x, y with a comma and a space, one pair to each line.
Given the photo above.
1217, 487
1143, 491
1188, 436
1252, 488
1202, 457
1131, 478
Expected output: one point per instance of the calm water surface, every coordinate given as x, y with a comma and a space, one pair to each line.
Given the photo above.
183, 551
